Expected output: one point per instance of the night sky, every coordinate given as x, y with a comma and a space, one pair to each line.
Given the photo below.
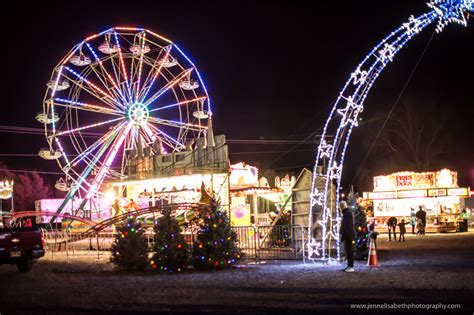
272, 70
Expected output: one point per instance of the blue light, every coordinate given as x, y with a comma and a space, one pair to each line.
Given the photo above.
345, 112
200, 78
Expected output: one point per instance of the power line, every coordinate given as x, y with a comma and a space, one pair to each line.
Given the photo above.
259, 141
19, 154
293, 166
30, 171
393, 108
40, 131
267, 152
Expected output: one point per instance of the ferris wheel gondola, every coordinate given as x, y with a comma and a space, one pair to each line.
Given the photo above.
58, 86
80, 60
49, 154
200, 114
188, 84
47, 119
169, 62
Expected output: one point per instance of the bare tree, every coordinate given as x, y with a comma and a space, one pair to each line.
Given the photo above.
416, 137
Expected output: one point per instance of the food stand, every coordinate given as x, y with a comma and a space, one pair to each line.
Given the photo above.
400, 194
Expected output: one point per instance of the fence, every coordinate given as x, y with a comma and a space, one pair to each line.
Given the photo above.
280, 242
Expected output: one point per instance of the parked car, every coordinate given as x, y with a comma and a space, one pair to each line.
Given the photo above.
21, 246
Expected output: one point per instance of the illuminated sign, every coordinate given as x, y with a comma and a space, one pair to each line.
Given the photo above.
412, 193
458, 192
243, 175
382, 195
6, 189
436, 192
413, 181
404, 181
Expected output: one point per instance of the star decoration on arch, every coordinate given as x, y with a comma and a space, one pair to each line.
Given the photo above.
313, 248
412, 26
351, 112
387, 53
358, 76
451, 11
335, 171
324, 149
317, 198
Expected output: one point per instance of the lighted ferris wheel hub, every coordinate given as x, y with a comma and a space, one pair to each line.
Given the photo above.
138, 113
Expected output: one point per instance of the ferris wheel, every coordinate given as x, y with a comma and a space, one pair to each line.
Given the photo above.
114, 94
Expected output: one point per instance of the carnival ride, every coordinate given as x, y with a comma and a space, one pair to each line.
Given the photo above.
184, 213
114, 95
324, 217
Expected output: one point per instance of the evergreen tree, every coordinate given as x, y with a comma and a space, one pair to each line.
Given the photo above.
280, 235
171, 253
216, 243
130, 249
360, 224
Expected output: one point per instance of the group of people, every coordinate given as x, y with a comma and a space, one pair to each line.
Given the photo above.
348, 233
417, 220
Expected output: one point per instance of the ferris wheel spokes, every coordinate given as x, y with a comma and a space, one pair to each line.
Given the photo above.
86, 107
170, 141
108, 162
176, 124
159, 61
122, 64
197, 99
140, 66
94, 90
169, 85
88, 126
74, 162
102, 74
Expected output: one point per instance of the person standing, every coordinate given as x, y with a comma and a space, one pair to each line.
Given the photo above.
419, 227
402, 230
412, 220
347, 233
371, 230
392, 226
421, 214
464, 223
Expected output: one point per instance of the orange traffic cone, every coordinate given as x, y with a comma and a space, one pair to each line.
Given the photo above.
373, 261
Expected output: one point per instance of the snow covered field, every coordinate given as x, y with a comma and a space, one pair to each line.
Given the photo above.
436, 268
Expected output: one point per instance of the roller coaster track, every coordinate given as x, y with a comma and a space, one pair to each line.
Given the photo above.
183, 212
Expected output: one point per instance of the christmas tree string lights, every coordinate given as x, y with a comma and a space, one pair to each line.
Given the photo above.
171, 252
216, 243
130, 249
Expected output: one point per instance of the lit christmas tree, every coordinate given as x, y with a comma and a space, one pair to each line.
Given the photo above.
130, 249
171, 253
216, 243
360, 224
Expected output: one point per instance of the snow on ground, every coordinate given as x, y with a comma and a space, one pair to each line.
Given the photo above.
436, 268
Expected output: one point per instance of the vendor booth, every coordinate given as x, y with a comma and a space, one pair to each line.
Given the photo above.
402, 194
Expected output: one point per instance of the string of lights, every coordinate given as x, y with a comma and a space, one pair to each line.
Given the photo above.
324, 217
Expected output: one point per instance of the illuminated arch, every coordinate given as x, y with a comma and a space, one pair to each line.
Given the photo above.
323, 226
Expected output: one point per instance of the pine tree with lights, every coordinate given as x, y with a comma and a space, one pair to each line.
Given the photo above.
130, 249
171, 253
360, 224
216, 243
